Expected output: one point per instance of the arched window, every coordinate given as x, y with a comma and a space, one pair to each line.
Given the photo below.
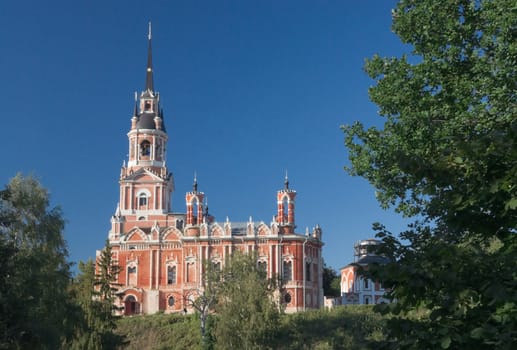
288, 270
285, 207
158, 150
287, 298
195, 208
191, 272
142, 200
131, 275
171, 274
366, 284
145, 148
171, 301
307, 271
262, 266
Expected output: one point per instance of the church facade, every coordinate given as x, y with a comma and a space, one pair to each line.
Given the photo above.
162, 253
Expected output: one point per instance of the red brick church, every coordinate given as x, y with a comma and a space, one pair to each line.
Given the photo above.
162, 253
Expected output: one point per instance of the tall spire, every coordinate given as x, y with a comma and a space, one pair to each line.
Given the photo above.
194, 186
149, 83
286, 181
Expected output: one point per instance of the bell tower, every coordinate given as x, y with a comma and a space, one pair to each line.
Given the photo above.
146, 184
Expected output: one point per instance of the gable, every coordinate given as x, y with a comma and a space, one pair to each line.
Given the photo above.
142, 175
263, 230
136, 235
172, 234
216, 231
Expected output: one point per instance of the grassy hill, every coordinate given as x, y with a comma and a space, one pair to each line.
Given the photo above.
347, 327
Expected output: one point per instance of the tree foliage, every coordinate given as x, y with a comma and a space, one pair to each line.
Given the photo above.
447, 156
247, 312
204, 299
341, 328
106, 286
35, 273
95, 324
331, 282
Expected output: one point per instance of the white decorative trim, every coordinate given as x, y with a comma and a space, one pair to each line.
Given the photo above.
145, 191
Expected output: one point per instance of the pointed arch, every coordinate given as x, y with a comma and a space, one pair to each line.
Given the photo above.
136, 235
263, 230
195, 203
285, 208
172, 234
216, 231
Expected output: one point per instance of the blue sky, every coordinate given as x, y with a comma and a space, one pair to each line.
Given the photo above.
249, 89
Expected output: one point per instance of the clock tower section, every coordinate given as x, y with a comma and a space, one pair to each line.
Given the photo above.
146, 184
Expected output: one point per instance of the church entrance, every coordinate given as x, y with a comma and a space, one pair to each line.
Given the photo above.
131, 306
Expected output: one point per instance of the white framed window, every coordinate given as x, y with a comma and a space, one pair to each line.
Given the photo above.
131, 275
308, 271
287, 270
287, 298
171, 274
142, 200
262, 265
145, 148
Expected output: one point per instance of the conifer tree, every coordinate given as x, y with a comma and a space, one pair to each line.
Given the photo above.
106, 285
93, 294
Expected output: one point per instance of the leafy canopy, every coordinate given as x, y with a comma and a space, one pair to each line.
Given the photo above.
447, 156
34, 272
247, 314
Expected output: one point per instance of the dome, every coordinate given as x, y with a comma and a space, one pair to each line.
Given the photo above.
146, 121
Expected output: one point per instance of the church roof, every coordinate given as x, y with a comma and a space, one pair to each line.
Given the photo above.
372, 259
146, 121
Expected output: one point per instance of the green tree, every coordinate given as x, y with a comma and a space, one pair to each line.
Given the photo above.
331, 282
106, 286
247, 313
94, 325
446, 156
35, 274
204, 300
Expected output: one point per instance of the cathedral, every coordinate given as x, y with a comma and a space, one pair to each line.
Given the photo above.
162, 253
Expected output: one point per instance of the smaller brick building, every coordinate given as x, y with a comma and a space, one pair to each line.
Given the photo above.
357, 289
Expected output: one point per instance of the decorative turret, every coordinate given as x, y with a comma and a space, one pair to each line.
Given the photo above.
195, 212
285, 208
